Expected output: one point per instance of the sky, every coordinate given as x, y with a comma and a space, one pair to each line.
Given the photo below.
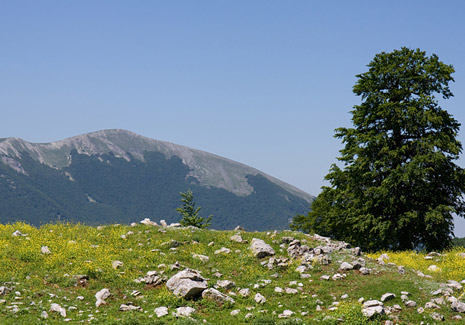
262, 82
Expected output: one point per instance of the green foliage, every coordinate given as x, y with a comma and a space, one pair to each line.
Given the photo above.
399, 186
190, 214
459, 242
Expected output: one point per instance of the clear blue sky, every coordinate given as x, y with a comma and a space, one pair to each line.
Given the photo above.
261, 82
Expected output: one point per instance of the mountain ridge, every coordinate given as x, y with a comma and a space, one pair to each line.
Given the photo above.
116, 175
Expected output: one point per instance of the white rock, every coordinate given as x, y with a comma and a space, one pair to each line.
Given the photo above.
261, 249
286, 313
387, 296
237, 238
58, 309
410, 303
184, 311
187, 283
101, 296
161, 311
222, 250
346, 266
434, 268
163, 223
244, 292
202, 258
217, 296
278, 290
124, 307
44, 315
235, 312
291, 291
225, 284
260, 298
148, 222
116, 264
45, 250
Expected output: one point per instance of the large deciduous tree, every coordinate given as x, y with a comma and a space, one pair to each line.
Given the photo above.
399, 186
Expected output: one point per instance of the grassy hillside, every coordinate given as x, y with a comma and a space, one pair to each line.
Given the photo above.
36, 278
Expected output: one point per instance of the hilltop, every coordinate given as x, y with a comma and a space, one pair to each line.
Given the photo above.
115, 175
119, 274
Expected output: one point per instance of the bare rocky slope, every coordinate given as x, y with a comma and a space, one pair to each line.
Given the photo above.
117, 172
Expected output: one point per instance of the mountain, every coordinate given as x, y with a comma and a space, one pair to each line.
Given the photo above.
118, 176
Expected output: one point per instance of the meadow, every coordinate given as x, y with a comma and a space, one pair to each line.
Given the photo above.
78, 261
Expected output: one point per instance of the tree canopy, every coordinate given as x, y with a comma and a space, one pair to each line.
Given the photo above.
398, 187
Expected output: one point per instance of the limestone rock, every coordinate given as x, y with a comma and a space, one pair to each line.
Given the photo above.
215, 295
261, 249
116, 264
222, 250
187, 284
184, 311
458, 306
161, 311
148, 222
45, 250
259, 298
101, 296
202, 258
244, 292
372, 308
237, 238
225, 284
124, 307
58, 309
346, 266
387, 296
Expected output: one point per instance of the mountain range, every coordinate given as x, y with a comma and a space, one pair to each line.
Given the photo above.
117, 176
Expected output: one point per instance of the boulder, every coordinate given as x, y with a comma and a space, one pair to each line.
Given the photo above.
187, 284
458, 306
101, 296
184, 311
215, 295
261, 249
225, 284
387, 296
346, 266
372, 308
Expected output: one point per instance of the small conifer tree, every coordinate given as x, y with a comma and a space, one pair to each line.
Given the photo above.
190, 214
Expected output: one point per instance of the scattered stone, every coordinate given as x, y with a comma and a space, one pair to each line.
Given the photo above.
215, 295
187, 284
458, 306
431, 305
434, 268
286, 313
278, 290
4, 290
261, 249
437, 316
161, 311
454, 285
244, 292
387, 296
345, 296
457, 317
235, 312
148, 222
116, 264
184, 311
163, 223
410, 303
18, 233
58, 309
437, 292
260, 299
364, 271
225, 284
291, 291
124, 307
45, 250
346, 266
237, 238
325, 277
202, 258
44, 315
337, 276
373, 307
239, 228
101, 296
222, 250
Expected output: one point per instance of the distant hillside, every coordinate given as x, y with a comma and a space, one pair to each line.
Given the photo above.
118, 176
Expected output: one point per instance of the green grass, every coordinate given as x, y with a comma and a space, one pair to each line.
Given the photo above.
78, 249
